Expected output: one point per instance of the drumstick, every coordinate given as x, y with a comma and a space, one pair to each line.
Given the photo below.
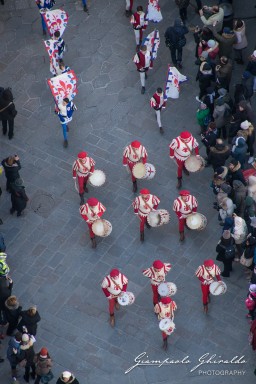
219, 283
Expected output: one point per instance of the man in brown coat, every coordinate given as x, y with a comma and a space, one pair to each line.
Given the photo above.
223, 73
226, 41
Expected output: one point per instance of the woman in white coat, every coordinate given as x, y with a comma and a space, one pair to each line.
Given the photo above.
239, 234
239, 30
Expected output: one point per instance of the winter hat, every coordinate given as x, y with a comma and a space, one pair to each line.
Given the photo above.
245, 124
82, 155
114, 273
144, 191
158, 264
185, 135
92, 201
222, 92
209, 263
135, 144
43, 353
66, 375
226, 234
240, 142
252, 288
184, 192
166, 300
211, 43
25, 337
207, 67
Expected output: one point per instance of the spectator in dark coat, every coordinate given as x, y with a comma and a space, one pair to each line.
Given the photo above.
209, 139
204, 77
18, 197
182, 5
247, 81
27, 353
235, 173
12, 313
208, 99
239, 150
249, 212
219, 154
7, 112
13, 353
11, 167
226, 252
29, 319
243, 112
249, 134
223, 73
226, 42
175, 40
6, 284
239, 195
225, 96
251, 68
67, 378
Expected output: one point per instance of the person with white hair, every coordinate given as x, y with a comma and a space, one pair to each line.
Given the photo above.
67, 378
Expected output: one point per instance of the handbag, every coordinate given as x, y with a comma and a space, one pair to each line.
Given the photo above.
246, 262
46, 378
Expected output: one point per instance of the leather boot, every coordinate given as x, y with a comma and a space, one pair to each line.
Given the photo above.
134, 188
142, 236
179, 183
117, 305
205, 308
161, 130
94, 245
81, 198
112, 320
182, 236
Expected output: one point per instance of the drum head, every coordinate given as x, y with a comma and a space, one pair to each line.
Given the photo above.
102, 227
194, 163
218, 288
97, 179
150, 171
166, 324
126, 298
163, 289
154, 219
172, 289
139, 170
196, 221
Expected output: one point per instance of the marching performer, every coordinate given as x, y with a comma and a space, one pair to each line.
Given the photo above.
157, 274
165, 310
134, 153
65, 112
183, 206
90, 212
181, 148
142, 60
143, 205
158, 102
128, 8
59, 45
206, 273
139, 22
44, 4
83, 167
112, 285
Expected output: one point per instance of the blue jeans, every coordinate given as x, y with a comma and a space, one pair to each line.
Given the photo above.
64, 129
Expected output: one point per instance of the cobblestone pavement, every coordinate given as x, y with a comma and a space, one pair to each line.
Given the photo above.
49, 251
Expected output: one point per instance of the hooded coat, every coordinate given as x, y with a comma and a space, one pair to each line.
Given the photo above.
175, 34
239, 150
218, 155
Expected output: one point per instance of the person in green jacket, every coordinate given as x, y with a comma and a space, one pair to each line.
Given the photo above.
203, 117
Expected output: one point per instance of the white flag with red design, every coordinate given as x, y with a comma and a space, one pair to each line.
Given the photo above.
55, 20
172, 85
52, 52
62, 86
154, 13
152, 41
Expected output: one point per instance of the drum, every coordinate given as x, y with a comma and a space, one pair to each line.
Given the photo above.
194, 163
158, 218
218, 288
150, 171
102, 227
167, 326
196, 221
126, 298
139, 170
97, 179
167, 289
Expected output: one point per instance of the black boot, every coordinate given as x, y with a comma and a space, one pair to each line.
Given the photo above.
81, 198
142, 236
93, 240
165, 344
134, 188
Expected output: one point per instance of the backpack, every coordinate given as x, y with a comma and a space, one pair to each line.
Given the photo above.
230, 252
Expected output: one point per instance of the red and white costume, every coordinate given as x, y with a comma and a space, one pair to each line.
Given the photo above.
158, 102
83, 167
143, 205
139, 23
91, 211
157, 274
184, 208
181, 149
206, 274
165, 309
134, 153
112, 285
142, 60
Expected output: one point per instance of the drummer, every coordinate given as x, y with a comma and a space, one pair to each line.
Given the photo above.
90, 212
112, 285
133, 154
165, 310
143, 205
183, 206
206, 273
157, 274
181, 149
83, 167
